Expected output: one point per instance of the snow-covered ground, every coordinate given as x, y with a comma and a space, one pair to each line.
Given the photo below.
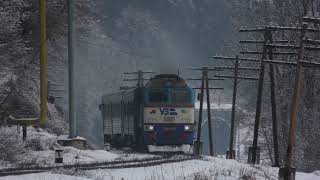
208, 168
44, 176
212, 168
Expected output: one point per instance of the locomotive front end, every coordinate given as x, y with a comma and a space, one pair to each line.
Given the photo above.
168, 115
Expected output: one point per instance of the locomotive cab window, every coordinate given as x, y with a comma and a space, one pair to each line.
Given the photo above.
180, 96
157, 96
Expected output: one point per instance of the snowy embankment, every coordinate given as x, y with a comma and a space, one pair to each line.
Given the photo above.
39, 150
71, 155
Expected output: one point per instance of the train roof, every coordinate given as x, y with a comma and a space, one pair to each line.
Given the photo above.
166, 80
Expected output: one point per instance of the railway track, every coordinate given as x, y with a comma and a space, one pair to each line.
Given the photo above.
145, 162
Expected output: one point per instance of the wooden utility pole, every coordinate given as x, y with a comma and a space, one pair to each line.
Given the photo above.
254, 151
24, 132
267, 49
273, 101
231, 154
209, 112
205, 85
198, 142
140, 79
295, 100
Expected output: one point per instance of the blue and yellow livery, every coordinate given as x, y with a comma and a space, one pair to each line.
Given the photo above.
157, 116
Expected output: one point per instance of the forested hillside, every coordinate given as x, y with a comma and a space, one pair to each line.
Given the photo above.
287, 13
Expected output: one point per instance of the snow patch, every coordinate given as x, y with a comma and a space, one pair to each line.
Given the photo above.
308, 176
65, 137
70, 156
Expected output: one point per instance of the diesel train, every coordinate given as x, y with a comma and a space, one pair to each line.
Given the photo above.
156, 117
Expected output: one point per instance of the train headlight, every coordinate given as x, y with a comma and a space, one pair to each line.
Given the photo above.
148, 128
187, 128
151, 128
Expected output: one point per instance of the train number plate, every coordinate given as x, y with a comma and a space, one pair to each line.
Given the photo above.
168, 119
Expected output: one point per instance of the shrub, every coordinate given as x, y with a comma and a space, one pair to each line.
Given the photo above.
10, 145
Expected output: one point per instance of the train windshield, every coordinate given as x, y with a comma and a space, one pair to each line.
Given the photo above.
170, 96
158, 96
180, 96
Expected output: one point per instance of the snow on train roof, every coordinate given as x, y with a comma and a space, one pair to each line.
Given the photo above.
214, 106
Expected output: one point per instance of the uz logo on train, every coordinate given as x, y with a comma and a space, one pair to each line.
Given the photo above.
168, 111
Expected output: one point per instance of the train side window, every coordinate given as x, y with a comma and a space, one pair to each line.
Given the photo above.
116, 110
107, 111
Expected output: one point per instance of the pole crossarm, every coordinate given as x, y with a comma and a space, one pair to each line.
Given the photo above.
213, 88
139, 79
310, 48
59, 90
210, 79
214, 68
58, 97
52, 84
252, 30
304, 63
126, 87
260, 52
239, 77
311, 41
251, 41
261, 41
311, 20
144, 72
133, 79
277, 28
202, 68
240, 68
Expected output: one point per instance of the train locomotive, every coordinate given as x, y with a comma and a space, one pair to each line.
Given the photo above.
158, 117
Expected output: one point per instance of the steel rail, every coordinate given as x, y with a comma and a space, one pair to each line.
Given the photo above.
100, 165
